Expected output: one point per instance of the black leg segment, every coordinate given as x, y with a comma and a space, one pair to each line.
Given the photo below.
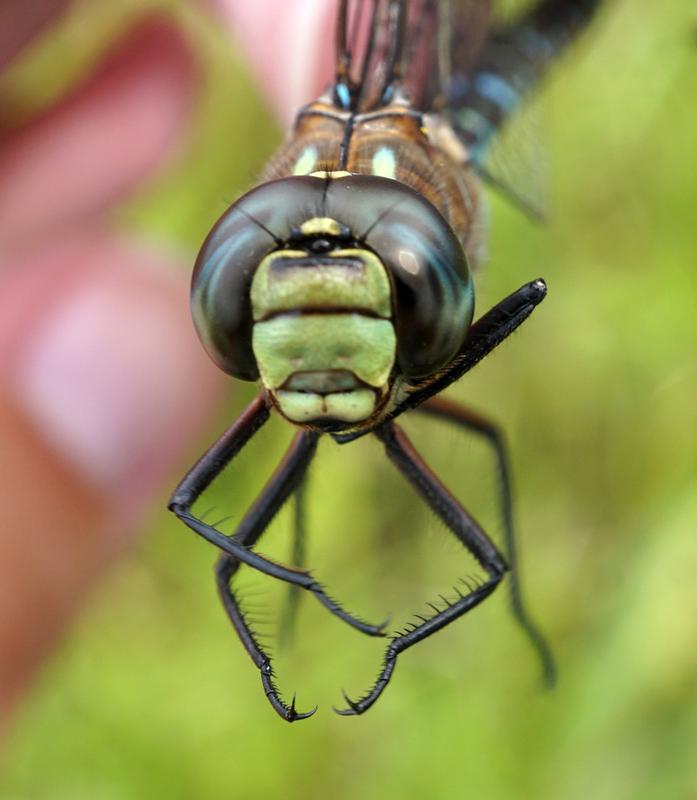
298, 558
487, 333
284, 482
289, 476
401, 452
465, 418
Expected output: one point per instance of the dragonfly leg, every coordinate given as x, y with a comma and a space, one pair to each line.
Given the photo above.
298, 554
296, 460
486, 334
286, 478
401, 452
283, 483
225, 569
466, 418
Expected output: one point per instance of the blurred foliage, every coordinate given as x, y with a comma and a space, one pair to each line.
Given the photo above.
152, 695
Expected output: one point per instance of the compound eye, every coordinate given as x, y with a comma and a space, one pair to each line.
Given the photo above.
433, 291
252, 227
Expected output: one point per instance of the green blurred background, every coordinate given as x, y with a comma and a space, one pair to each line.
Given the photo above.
152, 695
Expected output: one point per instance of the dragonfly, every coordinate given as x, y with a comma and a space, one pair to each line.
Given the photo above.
343, 284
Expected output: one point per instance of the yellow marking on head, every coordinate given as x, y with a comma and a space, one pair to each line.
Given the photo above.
320, 225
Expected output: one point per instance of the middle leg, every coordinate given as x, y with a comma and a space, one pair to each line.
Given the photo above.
466, 418
401, 452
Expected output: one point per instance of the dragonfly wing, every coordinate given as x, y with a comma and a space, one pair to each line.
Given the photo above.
488, 90
512, 60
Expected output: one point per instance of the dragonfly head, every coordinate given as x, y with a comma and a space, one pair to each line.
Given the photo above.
334, 291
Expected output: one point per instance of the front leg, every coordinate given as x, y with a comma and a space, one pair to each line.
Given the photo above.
486, 334
263, 510
403, 455
292, 469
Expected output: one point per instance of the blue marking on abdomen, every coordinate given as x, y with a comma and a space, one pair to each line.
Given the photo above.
343, 95
496, 90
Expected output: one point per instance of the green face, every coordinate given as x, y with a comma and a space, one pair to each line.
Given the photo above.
323, 338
